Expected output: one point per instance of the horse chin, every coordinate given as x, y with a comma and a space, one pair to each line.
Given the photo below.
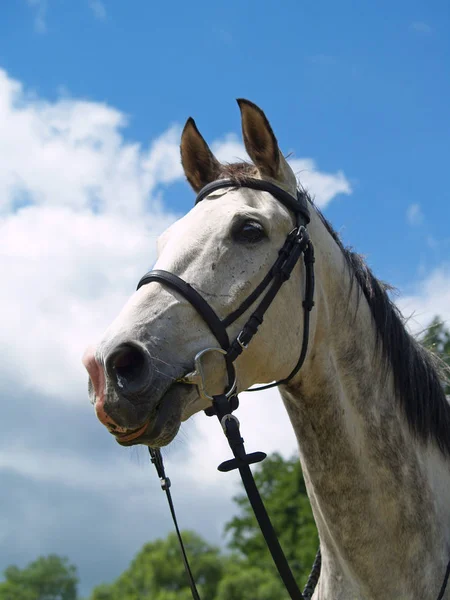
165, 420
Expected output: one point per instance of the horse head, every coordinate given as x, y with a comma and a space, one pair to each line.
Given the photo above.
224, 248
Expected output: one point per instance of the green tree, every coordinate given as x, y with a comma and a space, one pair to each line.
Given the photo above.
283, 490
157, 572
47, 578
245, 582
437, 339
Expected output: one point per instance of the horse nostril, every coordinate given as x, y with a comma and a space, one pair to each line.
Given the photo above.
129, 368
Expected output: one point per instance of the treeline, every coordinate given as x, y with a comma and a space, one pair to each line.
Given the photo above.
243, 572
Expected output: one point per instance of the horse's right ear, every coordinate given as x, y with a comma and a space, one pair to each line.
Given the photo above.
199, 163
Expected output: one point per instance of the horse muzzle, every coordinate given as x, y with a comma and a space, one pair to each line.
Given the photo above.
136, 406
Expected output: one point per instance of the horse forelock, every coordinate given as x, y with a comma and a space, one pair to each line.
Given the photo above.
239, 171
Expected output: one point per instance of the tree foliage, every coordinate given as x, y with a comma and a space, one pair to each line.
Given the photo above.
157, 572
437, 339
243, 581
283, 489
47, 578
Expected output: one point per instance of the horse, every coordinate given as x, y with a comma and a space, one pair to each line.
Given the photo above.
367, 406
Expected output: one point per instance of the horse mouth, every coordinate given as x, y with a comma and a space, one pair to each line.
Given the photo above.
131, 434
162, 424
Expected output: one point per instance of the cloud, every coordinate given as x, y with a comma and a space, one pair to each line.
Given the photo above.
230, 149
80, 208
79, 215
414, 214
430, 297
41, 6
98, 8
323, 186
421, 27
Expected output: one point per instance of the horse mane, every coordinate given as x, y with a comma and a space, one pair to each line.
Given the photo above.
418, 375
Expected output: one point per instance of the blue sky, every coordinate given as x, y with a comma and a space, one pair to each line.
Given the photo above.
364, 89
92, 98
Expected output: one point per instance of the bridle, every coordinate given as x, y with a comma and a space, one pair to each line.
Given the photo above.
297, 243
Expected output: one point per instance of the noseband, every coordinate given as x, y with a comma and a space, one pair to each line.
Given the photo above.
297, 243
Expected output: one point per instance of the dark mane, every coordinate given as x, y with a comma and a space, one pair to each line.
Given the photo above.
418, 377
417, 374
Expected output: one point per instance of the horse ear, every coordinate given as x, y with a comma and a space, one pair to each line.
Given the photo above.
261, 144
199, 163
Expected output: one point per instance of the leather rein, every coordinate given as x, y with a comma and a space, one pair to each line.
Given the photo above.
297, 244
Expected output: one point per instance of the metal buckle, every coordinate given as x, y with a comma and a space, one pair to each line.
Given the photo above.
228, 418
240, 342
196, 377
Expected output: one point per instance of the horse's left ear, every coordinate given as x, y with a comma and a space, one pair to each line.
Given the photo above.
262, 146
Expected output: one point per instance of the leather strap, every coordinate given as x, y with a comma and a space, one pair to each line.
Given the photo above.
299, 205
194, 298
444, 583
242, 462
156, 458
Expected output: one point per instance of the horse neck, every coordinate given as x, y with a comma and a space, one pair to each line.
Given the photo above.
379, 496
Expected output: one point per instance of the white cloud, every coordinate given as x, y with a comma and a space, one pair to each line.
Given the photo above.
421, 27
78, 222
98, 8
430, 297
230, 149
323, 186
270, 431
41, 6
68, 273
414, 214
47, 466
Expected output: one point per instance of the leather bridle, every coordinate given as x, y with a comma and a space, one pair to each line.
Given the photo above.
297, 243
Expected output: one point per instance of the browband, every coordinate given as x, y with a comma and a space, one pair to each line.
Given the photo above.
298, 206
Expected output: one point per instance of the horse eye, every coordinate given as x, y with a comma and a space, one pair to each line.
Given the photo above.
249, 232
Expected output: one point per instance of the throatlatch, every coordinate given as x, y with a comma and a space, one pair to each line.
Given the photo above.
297, 244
